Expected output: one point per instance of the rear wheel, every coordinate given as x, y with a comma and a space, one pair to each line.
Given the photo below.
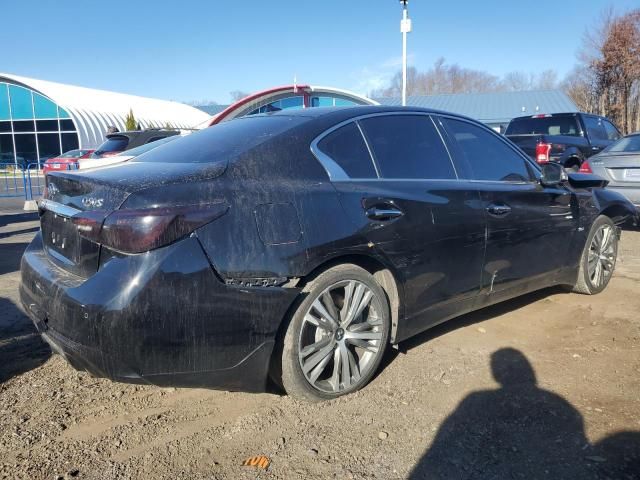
598, 258
337, 336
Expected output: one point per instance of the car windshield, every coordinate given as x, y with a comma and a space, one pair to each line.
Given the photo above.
223, 141
73, 154
626, 144
134, 152
563, 125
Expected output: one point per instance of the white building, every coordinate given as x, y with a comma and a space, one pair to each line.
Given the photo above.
41, 119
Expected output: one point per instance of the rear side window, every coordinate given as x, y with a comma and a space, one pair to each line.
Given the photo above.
222, 141
560, 125
486, 154
407, 146
346, 147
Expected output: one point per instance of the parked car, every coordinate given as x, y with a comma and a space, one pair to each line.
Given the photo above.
620, 165
121, 141
565, 138
123, 156
67, 161
298, 245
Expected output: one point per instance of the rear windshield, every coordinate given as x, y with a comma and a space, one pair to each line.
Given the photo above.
626, 144
134, 152
73, 154
113, 144
567, 126
223, 141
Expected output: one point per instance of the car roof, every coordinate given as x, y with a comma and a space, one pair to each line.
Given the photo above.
339, 114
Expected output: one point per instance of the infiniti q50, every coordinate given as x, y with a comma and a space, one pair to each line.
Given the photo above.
297, 246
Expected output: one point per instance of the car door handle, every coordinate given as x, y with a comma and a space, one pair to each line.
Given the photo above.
498, 210
383, 214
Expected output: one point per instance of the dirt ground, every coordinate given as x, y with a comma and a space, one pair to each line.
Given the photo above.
545, 386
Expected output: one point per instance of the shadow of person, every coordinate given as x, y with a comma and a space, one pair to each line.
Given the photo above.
516, 431
21, 347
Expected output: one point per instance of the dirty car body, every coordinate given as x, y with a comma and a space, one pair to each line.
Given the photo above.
182, 266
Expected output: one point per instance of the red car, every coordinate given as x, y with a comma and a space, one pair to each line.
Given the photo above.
66, 161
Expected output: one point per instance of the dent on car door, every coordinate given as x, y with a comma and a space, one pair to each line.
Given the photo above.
529, 226
409, 205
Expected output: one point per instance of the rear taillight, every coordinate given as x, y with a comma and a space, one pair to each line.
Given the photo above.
585, 167
542, 152
140, 230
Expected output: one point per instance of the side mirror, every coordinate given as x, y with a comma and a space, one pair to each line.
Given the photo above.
553, 174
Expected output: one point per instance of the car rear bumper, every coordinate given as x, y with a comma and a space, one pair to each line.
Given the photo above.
163, 318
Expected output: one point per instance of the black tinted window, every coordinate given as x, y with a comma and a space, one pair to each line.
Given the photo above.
544, 125
612, 132
113, 144
346, 147
488, 156
595, 128
407, 146
222, 141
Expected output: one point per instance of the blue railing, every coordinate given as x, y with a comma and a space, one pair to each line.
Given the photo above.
12, 180
27, 182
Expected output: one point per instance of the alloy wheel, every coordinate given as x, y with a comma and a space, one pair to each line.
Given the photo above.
341, 335
602, 256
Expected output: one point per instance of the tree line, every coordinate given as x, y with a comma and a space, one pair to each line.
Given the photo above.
605, 81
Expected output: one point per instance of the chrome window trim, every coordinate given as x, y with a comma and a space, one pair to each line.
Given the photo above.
337, 174
58, 208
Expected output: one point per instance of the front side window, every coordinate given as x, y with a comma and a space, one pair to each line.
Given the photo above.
346, 147
595, 128
612, 132
407, 146
486, 154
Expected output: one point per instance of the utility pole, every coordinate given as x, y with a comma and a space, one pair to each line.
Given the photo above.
405, 27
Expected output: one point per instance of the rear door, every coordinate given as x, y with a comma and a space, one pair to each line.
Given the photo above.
529, 227
410, 206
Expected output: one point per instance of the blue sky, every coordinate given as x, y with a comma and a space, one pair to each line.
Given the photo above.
201, 50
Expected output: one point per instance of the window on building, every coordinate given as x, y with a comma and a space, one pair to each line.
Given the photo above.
6, 149
48, 145
34, 124
407, 146
26, 151
486, 154
346, 147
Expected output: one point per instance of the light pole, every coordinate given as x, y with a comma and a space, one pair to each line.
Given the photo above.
405, 27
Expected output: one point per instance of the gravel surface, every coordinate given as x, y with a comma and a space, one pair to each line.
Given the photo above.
545, 386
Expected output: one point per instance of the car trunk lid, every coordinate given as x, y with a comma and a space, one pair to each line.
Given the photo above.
101, 191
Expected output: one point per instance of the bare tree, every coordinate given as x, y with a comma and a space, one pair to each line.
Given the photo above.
610, 65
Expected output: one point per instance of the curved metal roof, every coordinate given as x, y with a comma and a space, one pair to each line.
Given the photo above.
493, 107
259, 99
93, 111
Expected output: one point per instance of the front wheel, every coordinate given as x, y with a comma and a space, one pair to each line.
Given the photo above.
598, 257
337, 336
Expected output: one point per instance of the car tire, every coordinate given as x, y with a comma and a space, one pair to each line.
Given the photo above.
332, 348
598, 259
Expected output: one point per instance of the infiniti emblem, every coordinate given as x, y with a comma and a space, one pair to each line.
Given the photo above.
92, 202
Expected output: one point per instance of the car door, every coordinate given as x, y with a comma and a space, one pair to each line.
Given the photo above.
411, 208
598, 137
529, 226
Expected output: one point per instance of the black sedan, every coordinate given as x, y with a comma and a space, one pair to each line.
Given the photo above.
297, 246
